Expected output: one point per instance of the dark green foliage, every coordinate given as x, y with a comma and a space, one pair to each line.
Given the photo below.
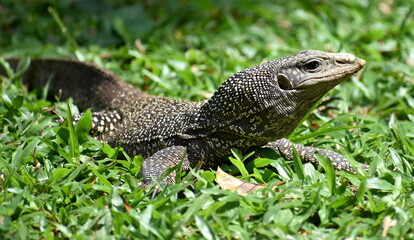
58, 183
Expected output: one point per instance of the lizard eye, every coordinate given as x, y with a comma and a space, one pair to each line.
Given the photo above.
311, 66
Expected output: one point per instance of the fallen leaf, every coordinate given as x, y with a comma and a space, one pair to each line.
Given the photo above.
228, 182
126, 205
387, 223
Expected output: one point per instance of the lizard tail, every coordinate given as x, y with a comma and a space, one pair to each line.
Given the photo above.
88, 84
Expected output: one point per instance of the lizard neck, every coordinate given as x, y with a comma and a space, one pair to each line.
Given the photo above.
251, 106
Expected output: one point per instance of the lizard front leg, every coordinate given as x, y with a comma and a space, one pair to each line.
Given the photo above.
105, 125
307, 154
153, 167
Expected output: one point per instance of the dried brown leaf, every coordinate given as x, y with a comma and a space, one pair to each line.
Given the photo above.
228, 182
387, 223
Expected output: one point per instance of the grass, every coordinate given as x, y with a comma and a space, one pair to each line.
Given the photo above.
58, 183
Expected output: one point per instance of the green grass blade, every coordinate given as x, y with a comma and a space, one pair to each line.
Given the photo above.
204, 228
22, 67
63, 28
83, 126
297, 164
329, 172
58, 149
73, 137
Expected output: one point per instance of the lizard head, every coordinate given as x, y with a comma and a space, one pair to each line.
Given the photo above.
267, 101
315, 70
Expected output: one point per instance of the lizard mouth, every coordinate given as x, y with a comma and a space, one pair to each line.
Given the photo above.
334, 79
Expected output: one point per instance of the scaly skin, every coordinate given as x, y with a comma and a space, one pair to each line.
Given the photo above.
255, 108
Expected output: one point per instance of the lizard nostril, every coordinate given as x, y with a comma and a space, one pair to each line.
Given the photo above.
361, 62
284, 82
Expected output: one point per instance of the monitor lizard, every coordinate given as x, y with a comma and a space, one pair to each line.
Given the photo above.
255, 108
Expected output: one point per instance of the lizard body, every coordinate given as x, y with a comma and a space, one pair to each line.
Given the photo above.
255, 108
